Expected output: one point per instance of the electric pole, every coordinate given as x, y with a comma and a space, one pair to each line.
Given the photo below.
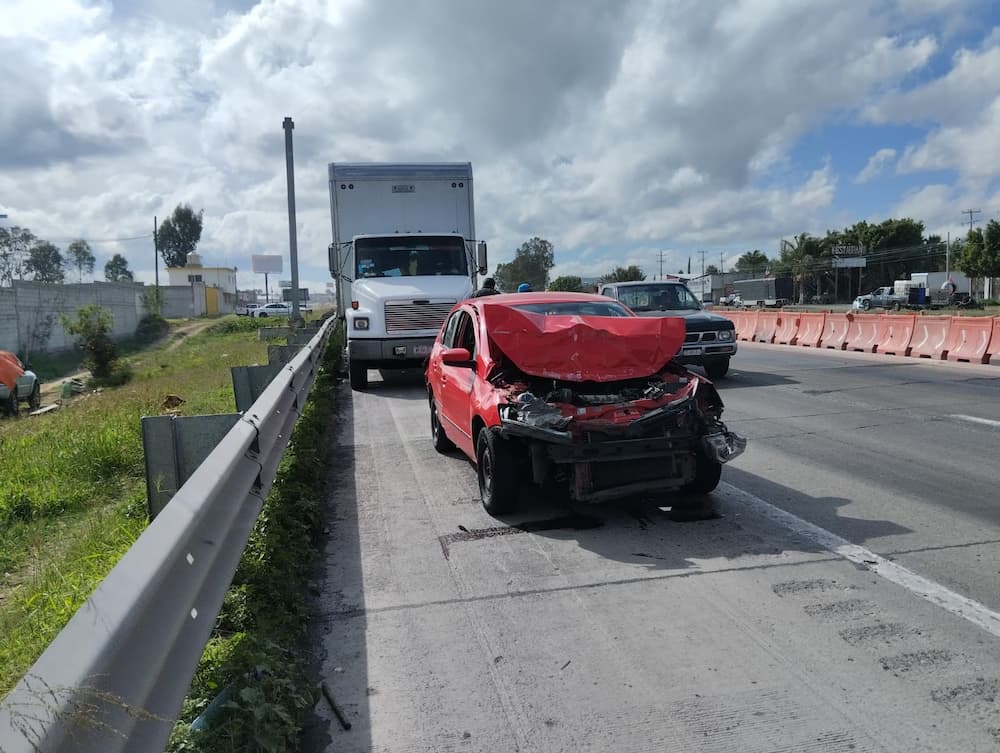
722, 262
293, 249
971, 212
661, 264
156, 255
703, 253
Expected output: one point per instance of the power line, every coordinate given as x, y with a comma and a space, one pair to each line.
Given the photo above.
972, 212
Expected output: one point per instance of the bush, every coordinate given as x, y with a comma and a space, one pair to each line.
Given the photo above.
91, 327
150, 329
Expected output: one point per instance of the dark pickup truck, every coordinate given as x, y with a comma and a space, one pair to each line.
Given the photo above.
710, 339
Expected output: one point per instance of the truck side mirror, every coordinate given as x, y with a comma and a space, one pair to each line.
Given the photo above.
481, 257
331, 253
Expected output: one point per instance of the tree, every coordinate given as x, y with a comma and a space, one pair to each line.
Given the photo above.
81, 257
45, 263
991, 249
116, 270
799, 259
711, 269
92, 328
15, 244
179, 235
532, 263
567, 283
755, 262
631, 273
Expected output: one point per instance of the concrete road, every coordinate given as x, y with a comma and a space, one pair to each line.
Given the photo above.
843, 600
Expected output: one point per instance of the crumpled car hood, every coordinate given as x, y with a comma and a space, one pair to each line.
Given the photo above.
584, 348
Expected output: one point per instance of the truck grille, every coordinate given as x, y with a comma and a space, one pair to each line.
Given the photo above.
694, 337
410, 315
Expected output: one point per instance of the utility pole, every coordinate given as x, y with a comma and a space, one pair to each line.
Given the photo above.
288, 125
722, 262
971, 212
947, 257
702, 262
661, 264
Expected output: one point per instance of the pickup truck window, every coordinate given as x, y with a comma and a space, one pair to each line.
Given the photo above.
658, 297
410, 256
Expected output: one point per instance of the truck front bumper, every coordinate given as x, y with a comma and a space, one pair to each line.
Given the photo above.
395, 353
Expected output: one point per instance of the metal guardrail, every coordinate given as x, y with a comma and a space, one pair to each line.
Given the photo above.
115, 677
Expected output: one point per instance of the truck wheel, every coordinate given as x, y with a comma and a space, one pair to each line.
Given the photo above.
866, 304
497, 472
896, 306
35, 400
717, 369
440, 439
358, 371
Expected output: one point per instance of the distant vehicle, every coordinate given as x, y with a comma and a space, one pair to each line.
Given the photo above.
881, 298
280, 308
765, 291
573, 390
403, 253
710, 339
17, 385
244, 309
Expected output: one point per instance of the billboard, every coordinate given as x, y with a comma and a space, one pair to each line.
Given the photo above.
267, 264
286, 295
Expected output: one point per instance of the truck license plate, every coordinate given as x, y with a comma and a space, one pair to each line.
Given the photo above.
691, 351
422, 350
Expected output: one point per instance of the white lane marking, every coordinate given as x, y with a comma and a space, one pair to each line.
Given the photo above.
978, 614
976, 420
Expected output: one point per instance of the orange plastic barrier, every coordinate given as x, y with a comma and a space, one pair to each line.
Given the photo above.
896, 333
930, 335
787, 330
863, 333
993, 349
969, 339
835, 331
767, 323
811, 329
746, 328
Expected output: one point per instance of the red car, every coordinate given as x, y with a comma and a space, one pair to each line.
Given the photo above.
575, 390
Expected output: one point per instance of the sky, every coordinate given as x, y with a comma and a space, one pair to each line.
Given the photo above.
620, 131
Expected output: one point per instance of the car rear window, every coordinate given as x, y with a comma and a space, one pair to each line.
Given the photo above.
575, 308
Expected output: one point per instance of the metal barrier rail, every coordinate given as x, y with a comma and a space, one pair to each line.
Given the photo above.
115, 677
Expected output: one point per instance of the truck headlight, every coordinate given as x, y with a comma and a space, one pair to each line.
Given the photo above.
361, 322
725, 334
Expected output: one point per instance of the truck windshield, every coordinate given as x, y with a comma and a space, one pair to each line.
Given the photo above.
658, 297
410, 256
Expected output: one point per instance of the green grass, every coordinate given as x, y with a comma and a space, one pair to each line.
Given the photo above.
72, 490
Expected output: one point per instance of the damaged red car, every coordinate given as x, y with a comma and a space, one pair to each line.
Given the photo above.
573, 390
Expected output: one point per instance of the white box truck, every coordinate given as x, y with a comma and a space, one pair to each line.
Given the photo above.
403, 253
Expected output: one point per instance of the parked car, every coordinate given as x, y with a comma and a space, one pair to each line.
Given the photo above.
17, 385
278, 309
575, 390
710, 339
246, 309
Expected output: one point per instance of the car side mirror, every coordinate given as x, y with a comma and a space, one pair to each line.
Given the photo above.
457, 357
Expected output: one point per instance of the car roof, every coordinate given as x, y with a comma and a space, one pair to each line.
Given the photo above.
514, 299
631, 283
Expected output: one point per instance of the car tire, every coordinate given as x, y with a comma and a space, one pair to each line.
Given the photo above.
358, 374
717, 369
496, 471
262, 315
35, 399
706, 476
11, 406
866, 305
441, 442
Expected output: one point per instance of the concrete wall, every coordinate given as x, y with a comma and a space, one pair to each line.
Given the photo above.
30, 312
183, 301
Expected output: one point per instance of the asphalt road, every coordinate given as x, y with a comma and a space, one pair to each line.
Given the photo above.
844, 599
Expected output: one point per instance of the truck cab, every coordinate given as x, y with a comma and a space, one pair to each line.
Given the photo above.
710, 339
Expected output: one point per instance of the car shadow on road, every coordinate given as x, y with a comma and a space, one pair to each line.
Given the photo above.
645, 530
738, 378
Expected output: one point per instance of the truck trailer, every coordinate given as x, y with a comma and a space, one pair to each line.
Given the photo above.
403, 253
765, 291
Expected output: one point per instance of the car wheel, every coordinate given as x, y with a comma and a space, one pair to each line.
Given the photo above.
896, 306
11, 407
262, 315
358, 372
717, 369
441, 441
866, 305
35, 400
497, 473
706, 476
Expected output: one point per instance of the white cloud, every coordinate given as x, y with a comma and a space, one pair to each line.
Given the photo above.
614, 130
876, 164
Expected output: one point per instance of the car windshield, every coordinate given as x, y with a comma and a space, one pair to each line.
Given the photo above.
658, 297
575, 308
411, 256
